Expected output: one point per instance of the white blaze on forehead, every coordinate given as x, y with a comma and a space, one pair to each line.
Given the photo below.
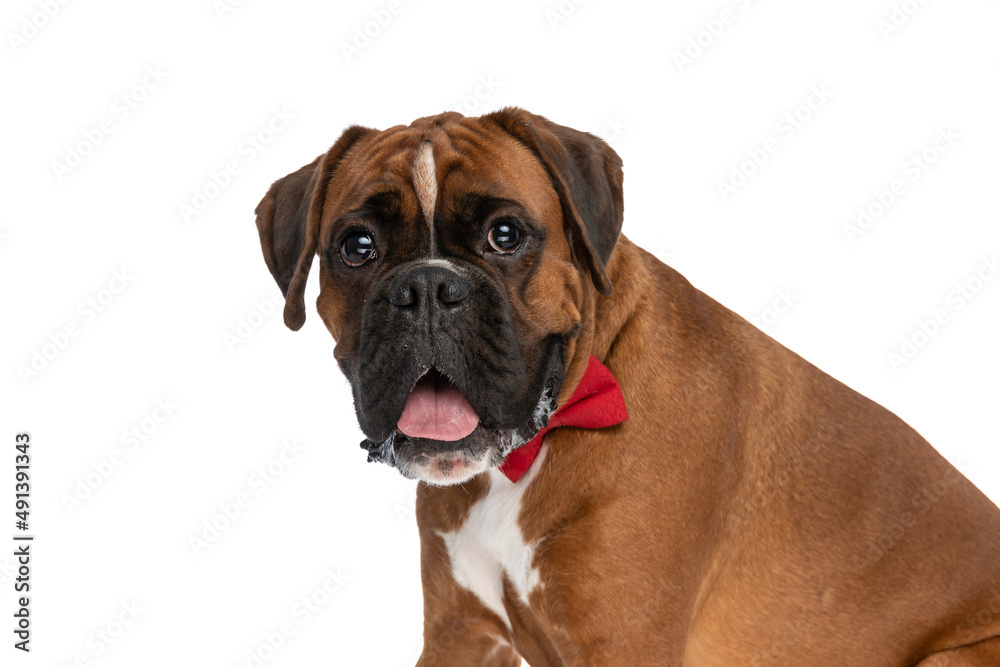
425, 180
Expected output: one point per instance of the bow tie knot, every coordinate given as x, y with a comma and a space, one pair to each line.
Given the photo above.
596, 402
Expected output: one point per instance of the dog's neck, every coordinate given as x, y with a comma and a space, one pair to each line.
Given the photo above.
613, 312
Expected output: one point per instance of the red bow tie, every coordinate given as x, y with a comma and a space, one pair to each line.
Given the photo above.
597, 402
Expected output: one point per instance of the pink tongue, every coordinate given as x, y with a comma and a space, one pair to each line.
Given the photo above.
437, 413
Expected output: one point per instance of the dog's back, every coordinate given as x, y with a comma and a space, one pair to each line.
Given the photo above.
842, 532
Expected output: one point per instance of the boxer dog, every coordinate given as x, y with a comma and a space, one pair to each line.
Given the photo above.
702, 496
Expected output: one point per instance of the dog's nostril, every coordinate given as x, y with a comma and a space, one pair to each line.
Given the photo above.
452, 292
403, 295
429, 287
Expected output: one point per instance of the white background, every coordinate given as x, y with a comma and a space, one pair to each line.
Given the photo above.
607, 67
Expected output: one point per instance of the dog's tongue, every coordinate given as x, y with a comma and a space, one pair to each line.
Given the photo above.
437, 411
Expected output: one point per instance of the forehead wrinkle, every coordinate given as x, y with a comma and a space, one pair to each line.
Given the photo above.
515, 172
381, 166
353, 199
385, 156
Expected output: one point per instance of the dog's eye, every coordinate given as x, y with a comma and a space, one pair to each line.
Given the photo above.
358, 247
504, 236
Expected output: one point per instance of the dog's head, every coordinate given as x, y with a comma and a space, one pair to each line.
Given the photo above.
454, 256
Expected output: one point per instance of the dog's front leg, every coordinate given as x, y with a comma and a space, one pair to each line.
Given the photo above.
465, 621
459, 630
466, 641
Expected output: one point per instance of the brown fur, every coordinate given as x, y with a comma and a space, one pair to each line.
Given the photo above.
752, 511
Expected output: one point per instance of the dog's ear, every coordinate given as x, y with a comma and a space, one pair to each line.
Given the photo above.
281, 221
587, 176
288, 220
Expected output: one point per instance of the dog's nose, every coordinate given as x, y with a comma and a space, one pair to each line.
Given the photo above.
432, 287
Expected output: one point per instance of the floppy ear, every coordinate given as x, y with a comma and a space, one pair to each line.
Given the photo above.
288, 220
587, 176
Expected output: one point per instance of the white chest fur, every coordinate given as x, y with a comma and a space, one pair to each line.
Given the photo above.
490, 544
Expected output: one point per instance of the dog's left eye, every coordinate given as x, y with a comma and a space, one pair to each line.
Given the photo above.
358, 247
504, 236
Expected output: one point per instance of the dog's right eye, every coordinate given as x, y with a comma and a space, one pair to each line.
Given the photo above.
358, 247
504, 236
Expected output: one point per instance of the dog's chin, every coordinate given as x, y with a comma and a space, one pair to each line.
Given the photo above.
444, 468
445, 463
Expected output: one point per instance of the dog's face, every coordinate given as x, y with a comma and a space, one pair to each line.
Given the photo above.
454, 255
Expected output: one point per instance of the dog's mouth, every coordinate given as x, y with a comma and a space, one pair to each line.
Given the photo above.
437, 410
440, 437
